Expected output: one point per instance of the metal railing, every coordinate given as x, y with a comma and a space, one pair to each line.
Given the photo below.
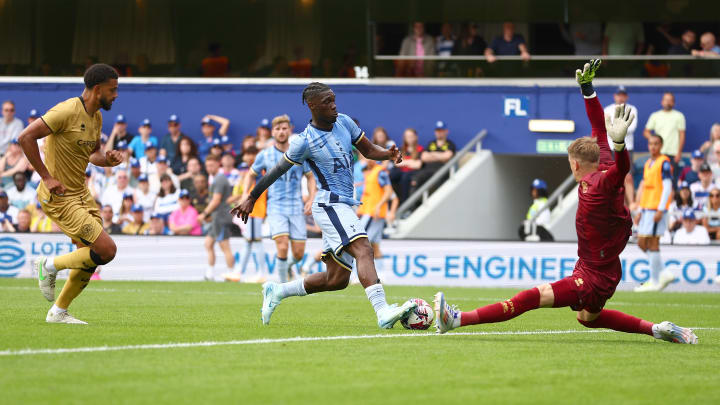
450, 168
560, 191
546, 57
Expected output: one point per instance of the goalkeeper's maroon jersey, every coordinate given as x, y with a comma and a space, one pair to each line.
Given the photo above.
602, 221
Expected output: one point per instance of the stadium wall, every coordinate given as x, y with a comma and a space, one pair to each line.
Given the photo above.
503, 107
406, 262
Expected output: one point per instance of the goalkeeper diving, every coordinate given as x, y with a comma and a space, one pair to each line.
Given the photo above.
603, 226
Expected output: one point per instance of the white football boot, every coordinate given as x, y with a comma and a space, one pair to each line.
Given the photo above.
270, 300
46, 279
445, 315
393, 313
670, 332
62, 317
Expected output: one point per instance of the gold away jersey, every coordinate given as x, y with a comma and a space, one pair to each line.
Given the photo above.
75, 134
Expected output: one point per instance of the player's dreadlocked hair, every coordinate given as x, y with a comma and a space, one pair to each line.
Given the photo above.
313, 89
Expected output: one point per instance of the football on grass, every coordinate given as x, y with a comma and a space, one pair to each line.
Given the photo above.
419, 318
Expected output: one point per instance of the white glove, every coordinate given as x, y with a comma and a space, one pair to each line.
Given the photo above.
617, 125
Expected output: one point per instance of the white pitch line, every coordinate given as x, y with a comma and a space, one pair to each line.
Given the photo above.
160, 346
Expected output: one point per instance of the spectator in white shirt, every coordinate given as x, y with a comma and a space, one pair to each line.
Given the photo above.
690, 233
167, 199
113, 195
19, 194
148, 162
701, 189
162, 168
10, 126
99, 182
144, 197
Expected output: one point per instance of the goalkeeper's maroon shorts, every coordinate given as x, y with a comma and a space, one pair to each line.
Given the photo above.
589, 287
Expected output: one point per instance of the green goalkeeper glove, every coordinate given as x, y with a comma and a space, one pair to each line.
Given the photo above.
585, 77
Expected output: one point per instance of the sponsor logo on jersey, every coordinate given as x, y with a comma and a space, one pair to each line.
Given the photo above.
91, 144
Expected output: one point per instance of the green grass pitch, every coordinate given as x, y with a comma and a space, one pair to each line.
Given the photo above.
493, 368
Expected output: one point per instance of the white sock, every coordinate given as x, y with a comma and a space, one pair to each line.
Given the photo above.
655, 332
50, 265
210, 270
282, 266
456, 321
56, 309
295, 288
655, 266
376, 295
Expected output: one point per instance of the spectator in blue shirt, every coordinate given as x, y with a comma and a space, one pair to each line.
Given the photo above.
508, 44
207, 126
137, 145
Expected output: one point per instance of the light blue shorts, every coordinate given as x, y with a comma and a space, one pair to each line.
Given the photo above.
287, 225
340, 226
374, 227
253, 229
647, 226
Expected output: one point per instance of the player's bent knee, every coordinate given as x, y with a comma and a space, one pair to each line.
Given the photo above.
103, 251
586, 318
547, 296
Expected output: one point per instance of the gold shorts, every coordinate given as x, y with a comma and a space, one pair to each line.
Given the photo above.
78, 216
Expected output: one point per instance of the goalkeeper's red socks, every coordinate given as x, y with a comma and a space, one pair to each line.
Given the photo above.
619, 321
502, 311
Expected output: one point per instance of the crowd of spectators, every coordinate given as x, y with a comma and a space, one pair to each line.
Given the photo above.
585, 38
162, 185
159, 189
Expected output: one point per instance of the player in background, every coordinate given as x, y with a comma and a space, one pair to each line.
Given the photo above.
326, 146
73, 130
603, 225
253, 228
217, 213
285, 209
654, 196
377, 192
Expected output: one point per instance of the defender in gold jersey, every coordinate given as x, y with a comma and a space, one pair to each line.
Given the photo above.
73, 130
